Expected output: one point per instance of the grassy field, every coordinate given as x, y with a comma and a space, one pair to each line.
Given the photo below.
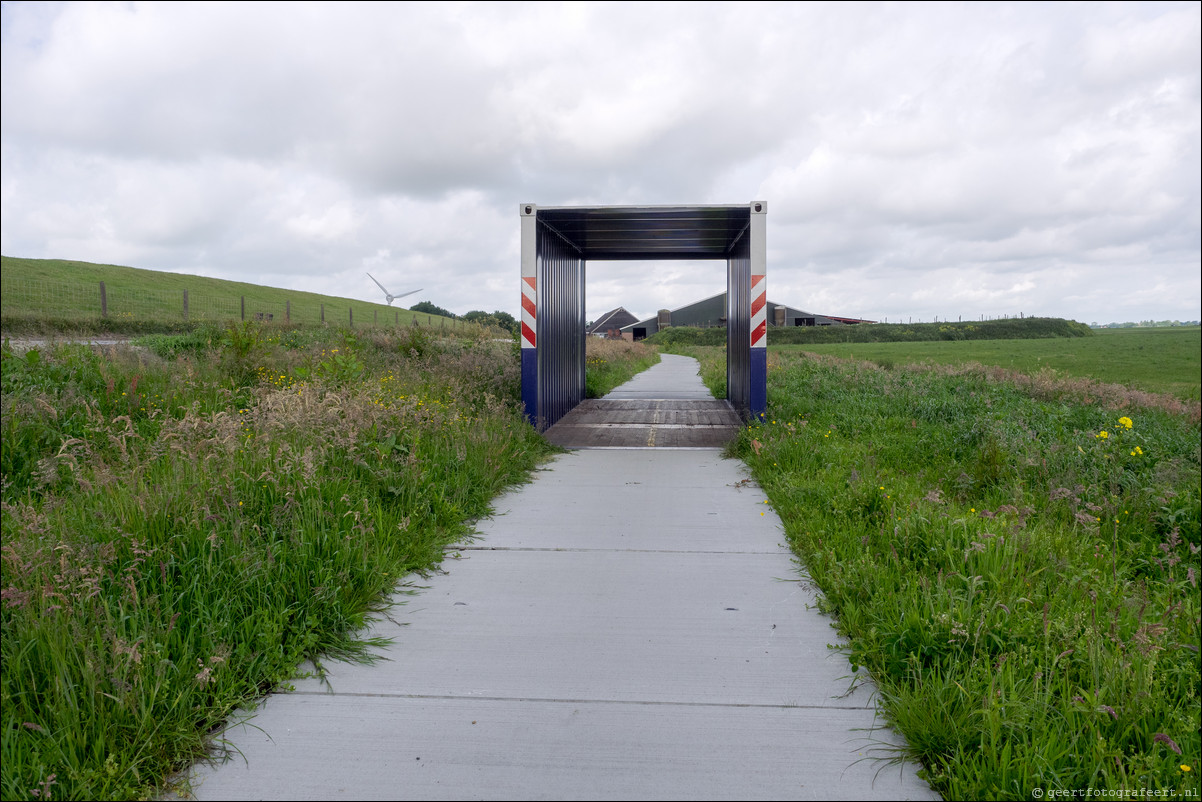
1016, 563
1167, 360
42, 295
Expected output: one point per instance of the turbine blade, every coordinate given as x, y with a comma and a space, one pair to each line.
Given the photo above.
378, 284
403, 294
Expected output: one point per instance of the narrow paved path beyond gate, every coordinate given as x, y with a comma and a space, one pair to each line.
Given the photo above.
629, 625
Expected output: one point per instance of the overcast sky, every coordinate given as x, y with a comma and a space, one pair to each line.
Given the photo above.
918, 160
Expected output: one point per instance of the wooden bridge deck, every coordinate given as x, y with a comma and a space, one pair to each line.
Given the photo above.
647, 423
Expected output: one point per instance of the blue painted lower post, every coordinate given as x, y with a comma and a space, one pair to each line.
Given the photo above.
758, 391
530, 384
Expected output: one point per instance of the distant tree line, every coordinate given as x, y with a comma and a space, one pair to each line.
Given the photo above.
1144, 324
502, 320
1012, 329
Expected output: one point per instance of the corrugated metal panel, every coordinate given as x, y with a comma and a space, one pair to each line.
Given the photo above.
561, 329
648, 232
738, 325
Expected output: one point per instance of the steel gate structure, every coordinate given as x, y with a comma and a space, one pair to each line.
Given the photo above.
557, 242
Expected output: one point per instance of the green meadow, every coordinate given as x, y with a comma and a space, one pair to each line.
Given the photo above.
1163, 360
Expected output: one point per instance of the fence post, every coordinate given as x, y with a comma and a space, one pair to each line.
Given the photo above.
287, 311
104, 301
396, 318
323, 314
244, 308
185, 304
375, 317
350, 311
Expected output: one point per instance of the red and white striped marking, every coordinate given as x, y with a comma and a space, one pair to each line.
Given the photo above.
759, 312
529, 310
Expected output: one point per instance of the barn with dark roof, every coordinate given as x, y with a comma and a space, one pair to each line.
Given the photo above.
610, 324
711, 312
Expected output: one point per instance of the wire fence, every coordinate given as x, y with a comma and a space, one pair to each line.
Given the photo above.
70, 301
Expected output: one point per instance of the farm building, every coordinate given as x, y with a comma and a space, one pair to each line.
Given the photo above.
711, 312
610, 324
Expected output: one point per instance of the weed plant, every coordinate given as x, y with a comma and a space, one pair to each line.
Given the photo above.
1016, 565
185, 522
610, 363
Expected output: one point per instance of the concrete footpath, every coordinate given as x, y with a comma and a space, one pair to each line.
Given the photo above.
629, 625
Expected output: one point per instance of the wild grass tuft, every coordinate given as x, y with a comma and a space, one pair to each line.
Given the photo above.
1016, 565
610, 363
184, 523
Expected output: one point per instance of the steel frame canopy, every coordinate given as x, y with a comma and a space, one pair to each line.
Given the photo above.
558, 241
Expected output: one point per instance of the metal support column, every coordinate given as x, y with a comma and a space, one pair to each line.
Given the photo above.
553, 321
758, 385
529, 312
746, 316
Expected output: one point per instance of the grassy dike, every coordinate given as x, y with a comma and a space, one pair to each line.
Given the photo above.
49, 296
184, 522
1015, 561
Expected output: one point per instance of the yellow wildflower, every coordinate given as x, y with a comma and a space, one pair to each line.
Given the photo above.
1125, 421
1102, 435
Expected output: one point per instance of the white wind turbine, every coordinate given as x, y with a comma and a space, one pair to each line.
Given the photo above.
388, 294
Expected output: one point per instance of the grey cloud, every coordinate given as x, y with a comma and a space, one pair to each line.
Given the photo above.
1008, 145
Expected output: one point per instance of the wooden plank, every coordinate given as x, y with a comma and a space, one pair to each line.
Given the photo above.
647, 423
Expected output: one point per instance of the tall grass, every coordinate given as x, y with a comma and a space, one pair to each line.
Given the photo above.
184, 523
1016, 566
609, 363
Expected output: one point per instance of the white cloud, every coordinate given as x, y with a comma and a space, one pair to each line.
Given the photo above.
913, 156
